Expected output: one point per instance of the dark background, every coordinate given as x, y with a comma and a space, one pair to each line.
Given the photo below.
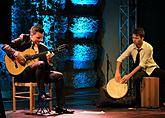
5, 20
150, 15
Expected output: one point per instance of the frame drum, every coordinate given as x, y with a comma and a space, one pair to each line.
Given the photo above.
116, 90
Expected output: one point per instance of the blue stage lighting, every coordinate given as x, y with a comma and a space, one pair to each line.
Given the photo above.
84, 79
84, 2
84, 27
84, 52
83, 64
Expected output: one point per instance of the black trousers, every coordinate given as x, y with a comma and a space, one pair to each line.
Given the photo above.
137, 78
38, 72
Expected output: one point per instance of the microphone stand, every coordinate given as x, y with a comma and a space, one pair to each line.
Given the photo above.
107, 67
109, 63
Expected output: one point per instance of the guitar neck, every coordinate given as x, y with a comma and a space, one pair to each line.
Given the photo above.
60, 48
39, 54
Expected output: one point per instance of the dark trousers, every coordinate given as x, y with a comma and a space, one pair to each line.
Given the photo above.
136, 81
38, 72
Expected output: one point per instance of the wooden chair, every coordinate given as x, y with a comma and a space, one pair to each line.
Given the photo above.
28, 94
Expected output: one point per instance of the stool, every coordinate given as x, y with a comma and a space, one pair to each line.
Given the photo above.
150, 92
43, 107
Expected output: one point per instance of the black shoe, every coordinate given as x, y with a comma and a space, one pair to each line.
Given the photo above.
62, 111
44, 97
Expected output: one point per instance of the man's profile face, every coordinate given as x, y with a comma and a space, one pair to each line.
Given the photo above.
37, 37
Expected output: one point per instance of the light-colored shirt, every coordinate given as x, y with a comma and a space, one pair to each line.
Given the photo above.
146, 56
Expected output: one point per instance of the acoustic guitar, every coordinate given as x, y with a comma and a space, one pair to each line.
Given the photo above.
15, 68
116, 89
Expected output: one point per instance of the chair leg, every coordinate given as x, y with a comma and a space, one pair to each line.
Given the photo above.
14, 92
50, 93
31, 97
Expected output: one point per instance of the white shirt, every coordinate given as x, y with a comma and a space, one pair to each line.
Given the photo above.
146, 56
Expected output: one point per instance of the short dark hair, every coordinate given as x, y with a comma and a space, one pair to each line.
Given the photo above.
36, 28
139, 31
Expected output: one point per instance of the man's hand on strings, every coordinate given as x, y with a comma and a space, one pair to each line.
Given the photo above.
20, 58
49, 56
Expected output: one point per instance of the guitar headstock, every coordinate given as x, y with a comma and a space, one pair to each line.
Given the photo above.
62, 47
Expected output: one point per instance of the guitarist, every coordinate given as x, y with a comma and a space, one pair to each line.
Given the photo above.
41, 70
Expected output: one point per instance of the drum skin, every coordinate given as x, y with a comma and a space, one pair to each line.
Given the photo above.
116, 90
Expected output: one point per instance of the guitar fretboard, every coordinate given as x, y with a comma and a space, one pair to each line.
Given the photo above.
31, 57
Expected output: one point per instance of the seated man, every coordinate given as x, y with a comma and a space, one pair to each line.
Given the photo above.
40, 70
144, 64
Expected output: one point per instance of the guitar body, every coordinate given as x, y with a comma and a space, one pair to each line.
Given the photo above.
14, 67
116, 90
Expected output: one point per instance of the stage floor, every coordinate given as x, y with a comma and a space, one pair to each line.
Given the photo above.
95, 113
83, 102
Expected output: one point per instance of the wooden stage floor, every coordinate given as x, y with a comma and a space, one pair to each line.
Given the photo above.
95, 113
83, 102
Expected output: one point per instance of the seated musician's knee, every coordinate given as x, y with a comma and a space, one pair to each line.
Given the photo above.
56, 75
41, 64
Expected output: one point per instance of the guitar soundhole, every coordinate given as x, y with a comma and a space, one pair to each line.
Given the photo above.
15, 64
